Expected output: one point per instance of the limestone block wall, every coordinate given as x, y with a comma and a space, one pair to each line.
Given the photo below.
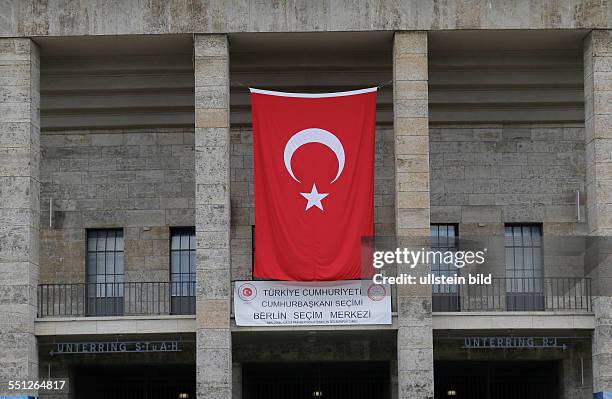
483, 176
508, 174
141, 180
19, 208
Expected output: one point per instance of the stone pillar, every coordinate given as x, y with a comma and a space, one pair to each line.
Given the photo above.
212, 176
598, 126
414, 340
19, 208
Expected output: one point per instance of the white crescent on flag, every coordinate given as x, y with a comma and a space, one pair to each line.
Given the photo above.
314, 135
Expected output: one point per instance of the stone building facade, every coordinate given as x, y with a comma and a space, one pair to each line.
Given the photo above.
131, 120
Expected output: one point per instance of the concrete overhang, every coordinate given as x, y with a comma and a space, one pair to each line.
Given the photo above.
513, 320
115, 325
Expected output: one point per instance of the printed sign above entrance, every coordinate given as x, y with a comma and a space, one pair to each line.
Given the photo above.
513, 343
282, 303
66, 348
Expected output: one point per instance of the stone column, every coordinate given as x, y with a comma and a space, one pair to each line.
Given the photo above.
19, 208
212, 163
414, 340
598, 124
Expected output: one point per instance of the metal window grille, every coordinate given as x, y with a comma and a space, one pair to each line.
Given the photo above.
105, 271
443, 238
523, 247
183, 262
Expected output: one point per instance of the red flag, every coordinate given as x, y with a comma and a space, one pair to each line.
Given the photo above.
314, 183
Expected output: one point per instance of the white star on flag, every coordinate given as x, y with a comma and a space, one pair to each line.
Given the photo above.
314, 198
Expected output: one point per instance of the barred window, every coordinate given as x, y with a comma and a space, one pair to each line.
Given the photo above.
183, 261
443, 238
524, 258
105, 271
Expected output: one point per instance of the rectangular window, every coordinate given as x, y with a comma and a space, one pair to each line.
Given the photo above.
105, 271
524, 267
183, 270
445, 296
524, 257
443, 238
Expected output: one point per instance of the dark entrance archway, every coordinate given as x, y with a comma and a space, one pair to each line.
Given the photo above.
496, 380
135, 382
335, 380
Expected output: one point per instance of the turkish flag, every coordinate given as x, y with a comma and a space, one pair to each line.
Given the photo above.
314, 183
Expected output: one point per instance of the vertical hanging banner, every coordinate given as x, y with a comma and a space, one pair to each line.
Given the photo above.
314, 183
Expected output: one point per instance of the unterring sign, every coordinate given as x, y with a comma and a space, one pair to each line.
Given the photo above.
66, 348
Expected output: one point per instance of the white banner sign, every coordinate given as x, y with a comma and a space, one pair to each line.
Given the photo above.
284, 303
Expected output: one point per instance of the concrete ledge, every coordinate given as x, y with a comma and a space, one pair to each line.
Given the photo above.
89, 17
513, 320
441, 321
115, 325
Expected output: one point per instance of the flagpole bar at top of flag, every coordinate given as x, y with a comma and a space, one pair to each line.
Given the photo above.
313, 95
